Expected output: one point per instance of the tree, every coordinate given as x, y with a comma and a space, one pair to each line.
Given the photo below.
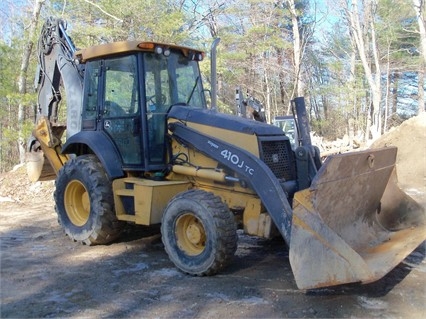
251, 36
16, 54
22, 80
301, 35
362, 31
398, 39
7, 87
419, 8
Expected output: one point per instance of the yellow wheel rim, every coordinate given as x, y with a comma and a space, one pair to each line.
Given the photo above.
190, 234
77, 203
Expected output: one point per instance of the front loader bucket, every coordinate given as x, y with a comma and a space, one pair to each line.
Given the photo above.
354, 224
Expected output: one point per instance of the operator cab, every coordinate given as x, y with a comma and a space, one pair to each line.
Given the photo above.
288, 124
128, 95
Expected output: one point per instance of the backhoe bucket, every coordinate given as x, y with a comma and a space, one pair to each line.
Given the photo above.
354, 224
38, 168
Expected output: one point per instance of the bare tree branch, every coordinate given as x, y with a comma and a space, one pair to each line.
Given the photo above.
103, 11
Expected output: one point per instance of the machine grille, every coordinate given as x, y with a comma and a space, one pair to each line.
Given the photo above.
278, 155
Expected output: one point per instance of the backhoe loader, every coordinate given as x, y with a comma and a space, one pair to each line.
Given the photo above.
142, 146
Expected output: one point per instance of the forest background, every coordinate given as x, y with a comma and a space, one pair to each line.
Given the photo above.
359, 64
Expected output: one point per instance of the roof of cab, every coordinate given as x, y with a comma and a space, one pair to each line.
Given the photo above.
113, 48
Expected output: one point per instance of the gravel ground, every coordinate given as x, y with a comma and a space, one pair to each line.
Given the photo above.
44, 274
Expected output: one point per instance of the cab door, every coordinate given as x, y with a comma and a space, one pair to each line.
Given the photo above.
120, 108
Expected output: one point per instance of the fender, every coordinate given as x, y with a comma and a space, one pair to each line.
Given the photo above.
102, 147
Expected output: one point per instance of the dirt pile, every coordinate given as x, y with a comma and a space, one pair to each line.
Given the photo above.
16, 187
410, 138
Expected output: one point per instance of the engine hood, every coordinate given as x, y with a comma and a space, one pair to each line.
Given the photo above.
224, 121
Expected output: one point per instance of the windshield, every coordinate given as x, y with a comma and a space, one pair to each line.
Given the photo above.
172, 80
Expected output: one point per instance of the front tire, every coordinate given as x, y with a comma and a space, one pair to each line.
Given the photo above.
84, 202
199, 233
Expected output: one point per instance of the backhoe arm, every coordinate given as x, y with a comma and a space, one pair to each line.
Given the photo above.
56, 68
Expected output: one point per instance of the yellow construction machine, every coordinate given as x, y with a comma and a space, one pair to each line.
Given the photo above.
142, 146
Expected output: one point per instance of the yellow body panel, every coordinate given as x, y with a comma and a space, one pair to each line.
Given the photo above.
243, 140
255, 221
202, 163
149, 198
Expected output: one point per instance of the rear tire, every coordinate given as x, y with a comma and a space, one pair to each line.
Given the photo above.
199, 233
84, 202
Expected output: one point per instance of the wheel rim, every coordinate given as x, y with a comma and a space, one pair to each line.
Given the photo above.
190, 234
77, 203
